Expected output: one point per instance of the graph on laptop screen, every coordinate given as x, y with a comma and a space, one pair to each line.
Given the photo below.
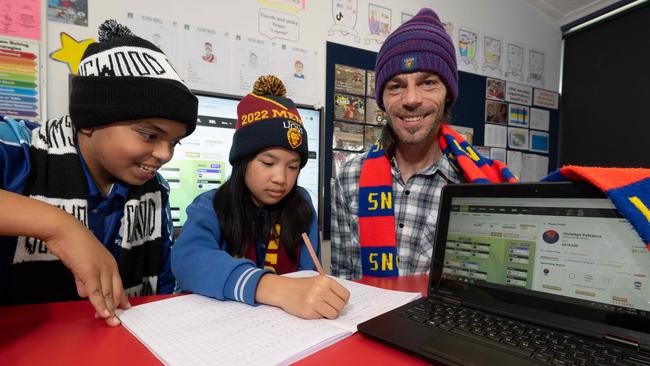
573, 247
200, 162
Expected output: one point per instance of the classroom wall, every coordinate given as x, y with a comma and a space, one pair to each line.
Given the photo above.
512, 20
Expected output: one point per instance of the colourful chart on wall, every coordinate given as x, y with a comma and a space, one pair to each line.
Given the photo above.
19, 79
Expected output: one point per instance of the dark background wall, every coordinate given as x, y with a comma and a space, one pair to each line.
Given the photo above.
605, 102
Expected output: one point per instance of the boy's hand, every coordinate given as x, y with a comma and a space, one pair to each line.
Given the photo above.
309, 297
95, 270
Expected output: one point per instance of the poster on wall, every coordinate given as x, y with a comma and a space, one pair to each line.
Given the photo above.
467, 50
546, 99
252, 59
519, 93
379, 21
495, 89
348, 136
349, 108
163, 33
374, 115
495, 135
491, 64
518, 115
20, 86
517, 138
539, 141
536, 68
206, 58
496, 112
349, 79
20, 18
539, 119
68, 12
515, 62
344, 19
298, 69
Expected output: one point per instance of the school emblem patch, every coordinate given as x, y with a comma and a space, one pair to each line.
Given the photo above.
409, 63
294, 137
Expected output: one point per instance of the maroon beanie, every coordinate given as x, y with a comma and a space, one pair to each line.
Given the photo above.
420, 44
266, 118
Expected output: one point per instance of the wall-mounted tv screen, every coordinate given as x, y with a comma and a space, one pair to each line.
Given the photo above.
200, 162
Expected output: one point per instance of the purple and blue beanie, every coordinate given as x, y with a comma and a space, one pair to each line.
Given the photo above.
420, 44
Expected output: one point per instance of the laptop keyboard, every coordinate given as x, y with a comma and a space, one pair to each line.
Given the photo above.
527, 340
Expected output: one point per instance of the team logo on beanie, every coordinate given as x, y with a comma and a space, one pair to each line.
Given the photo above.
409, 63
294, 137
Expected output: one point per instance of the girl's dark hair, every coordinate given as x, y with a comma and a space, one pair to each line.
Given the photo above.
241, 225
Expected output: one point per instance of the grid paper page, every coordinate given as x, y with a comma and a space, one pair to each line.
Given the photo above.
197, 330
366, 302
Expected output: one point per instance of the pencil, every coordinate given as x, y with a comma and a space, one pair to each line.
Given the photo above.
314, 258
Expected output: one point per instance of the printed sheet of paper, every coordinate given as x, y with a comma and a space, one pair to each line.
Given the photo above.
206, 58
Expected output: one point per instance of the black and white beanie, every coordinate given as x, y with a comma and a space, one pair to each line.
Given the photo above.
124, 77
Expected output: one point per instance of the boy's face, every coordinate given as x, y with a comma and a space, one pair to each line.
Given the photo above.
271, 175
131, 151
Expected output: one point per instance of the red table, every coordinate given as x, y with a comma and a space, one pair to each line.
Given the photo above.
66, 333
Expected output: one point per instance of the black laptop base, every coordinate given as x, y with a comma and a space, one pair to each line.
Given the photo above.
455, 335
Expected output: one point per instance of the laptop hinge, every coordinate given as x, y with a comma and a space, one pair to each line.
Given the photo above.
622, 341
456, 301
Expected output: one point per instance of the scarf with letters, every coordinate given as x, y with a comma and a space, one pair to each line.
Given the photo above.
376, 214
628, 188
57, 177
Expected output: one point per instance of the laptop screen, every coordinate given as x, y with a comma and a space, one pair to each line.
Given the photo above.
563, 249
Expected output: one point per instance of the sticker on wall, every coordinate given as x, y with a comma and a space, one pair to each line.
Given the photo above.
344, 15
515, 62
492, 51
379, 20
71, 51
467, 50
535, 67
68, 11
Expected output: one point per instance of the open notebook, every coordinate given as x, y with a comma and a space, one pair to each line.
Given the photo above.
193, 329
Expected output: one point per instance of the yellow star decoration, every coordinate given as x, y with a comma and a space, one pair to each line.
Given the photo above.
71, 51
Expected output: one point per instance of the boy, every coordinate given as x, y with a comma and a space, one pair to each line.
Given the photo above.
128, 109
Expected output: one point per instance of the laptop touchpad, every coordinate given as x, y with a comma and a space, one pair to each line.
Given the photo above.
456, 349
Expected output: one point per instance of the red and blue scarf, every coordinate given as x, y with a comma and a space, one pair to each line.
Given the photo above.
376, 214
628, 188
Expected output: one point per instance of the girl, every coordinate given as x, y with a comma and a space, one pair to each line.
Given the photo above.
238, 238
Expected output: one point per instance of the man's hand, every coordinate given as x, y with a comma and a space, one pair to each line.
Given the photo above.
309, 297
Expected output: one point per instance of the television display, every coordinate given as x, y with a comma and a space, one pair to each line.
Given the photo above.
200, 161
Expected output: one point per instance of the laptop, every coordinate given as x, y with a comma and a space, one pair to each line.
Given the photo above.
528, 274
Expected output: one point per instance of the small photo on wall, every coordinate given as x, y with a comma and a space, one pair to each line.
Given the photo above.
370, 86
374, 115
518, 115
349, 79
371, 135
496, 112
348, 136
349, 108
539, 141
495, 89
518, 138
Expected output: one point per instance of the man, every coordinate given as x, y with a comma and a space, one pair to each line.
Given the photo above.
385, 202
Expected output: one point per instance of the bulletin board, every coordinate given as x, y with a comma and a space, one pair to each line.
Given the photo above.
352, 121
